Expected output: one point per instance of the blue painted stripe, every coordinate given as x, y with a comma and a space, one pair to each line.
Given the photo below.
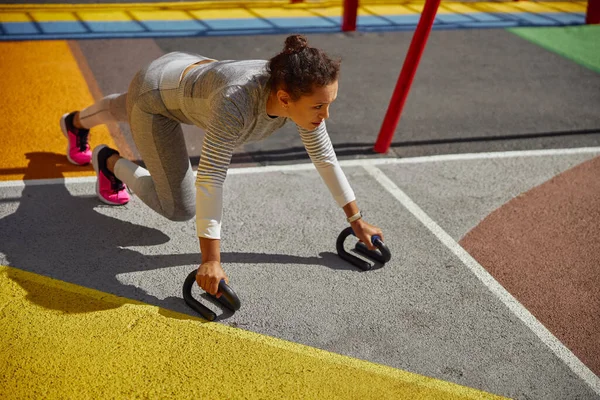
225, 27
486, 24
566, 18
411, 19
528, 19
19, 28
63, 27
308, 22
371, 20
116, 26
485, 17
454, 18
491, 24
233, 24
187, 25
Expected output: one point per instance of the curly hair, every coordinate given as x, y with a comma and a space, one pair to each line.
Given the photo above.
299, 68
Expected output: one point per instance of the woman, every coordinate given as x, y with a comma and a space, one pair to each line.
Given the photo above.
234, 102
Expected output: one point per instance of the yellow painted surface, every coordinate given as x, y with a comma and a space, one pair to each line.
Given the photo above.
414, 8
532, 7
47, 16
334, 11
279, 12
508, 7
459, 8
572, 5
418, 7
524, 6
222, 14
161, 15
105, 15
389, 10
40, 81
154, 6
59, 340
263, 12
567, 6
14, 17
267, 9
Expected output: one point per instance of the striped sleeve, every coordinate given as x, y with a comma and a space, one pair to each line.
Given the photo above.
321, 152
219, 143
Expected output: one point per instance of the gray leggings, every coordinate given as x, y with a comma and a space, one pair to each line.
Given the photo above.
167, 185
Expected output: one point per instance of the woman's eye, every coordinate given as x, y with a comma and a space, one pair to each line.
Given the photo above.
318, 107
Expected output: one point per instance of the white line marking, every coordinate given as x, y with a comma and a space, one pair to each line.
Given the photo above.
41, 182
370, 165
563, 353
416, 160
348, 163
484, 156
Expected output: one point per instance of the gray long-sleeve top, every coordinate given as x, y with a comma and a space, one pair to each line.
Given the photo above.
228, 100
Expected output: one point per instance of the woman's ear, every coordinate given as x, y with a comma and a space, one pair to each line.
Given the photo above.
284, 98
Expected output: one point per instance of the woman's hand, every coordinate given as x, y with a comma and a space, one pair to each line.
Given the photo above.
209, 275
364, 231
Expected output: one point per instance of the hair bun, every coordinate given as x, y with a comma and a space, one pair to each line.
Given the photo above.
295, 44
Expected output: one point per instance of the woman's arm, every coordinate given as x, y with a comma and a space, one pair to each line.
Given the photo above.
217, 149
220, 140
321, 152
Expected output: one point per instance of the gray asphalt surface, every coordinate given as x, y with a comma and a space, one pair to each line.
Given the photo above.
464, 192
475, 90
424, 311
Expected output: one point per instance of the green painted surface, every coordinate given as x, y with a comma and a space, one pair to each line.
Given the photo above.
580, 44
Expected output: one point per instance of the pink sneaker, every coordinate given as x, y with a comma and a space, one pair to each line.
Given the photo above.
109, 188
78, 149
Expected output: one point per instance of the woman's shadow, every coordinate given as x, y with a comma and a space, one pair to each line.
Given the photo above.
60, 235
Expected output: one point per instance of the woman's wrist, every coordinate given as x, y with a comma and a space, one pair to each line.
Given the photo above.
357, 224
351, 209
355, 217
210, 249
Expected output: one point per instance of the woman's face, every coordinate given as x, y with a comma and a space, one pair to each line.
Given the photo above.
309, 111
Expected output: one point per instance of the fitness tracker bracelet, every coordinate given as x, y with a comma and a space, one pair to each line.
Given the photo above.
355, 217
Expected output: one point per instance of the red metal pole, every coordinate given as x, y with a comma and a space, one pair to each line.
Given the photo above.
350, 13
593, 12
417, 45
